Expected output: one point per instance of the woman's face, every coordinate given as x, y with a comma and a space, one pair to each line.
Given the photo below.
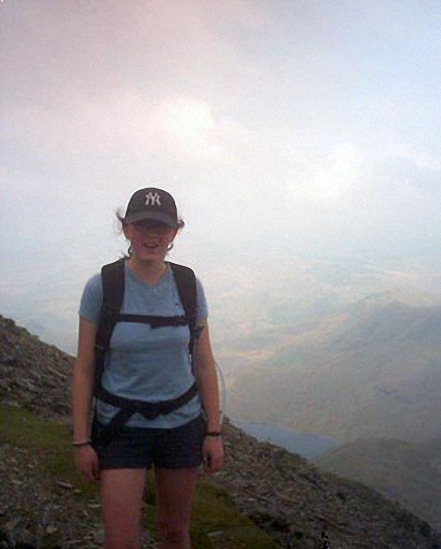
149, 239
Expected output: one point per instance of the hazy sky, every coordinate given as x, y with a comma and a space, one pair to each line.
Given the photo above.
315, 120
310, 124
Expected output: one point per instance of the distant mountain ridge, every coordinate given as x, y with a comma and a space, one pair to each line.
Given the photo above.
307, 446
376, 318
281, 492
410, 473
372, 371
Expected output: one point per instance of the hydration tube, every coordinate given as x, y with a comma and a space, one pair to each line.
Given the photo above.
221, 385
222, 391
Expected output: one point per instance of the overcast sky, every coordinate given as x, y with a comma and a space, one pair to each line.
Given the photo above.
312, 125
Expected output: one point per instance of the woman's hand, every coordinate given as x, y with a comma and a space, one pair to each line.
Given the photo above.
86, 461
213, 454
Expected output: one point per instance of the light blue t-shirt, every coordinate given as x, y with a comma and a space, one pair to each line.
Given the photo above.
146, 363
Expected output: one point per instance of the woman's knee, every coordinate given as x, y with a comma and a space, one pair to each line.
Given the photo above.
121, 499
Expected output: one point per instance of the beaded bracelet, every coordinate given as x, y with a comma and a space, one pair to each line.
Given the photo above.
81, 443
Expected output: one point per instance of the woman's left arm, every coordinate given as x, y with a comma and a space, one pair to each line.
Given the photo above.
205, 371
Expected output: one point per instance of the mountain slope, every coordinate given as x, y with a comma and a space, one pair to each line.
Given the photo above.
372, 371
32, 373
409, 473
281, 492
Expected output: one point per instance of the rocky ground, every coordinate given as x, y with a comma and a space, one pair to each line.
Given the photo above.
36, 512
292, 499
282, 493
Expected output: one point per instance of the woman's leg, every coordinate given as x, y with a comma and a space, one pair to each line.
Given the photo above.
174, 496
121, 500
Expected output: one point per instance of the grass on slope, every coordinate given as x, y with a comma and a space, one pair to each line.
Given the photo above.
214, 510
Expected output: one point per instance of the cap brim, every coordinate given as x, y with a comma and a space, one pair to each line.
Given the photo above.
153, 216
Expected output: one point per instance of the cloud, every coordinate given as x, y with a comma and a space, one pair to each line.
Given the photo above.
422, 159
127, 125
339, 175
282, 117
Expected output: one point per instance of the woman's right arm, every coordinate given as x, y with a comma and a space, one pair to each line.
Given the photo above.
82, 388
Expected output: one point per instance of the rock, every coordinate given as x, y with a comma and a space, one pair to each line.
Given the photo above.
65, 485
217, 534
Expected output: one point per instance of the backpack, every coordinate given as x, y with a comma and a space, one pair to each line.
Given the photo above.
113, 280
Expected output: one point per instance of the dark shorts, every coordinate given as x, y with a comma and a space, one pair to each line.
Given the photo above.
138, 448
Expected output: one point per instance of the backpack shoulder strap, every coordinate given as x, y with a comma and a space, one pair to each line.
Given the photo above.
113, 281
186, 284
113, 278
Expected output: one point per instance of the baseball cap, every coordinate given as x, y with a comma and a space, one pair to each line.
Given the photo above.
152, 204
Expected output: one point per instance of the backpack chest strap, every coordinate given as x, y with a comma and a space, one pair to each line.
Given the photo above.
112, 318
153, 320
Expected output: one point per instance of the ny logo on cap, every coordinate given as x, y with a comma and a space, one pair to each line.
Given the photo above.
152, 199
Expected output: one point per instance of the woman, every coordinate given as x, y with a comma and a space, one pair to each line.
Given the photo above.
150, 364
